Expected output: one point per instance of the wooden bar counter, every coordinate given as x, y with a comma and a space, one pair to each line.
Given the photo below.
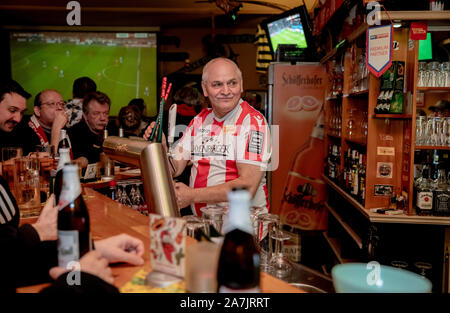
109, 218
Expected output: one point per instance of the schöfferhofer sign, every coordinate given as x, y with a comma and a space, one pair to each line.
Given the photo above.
379, 49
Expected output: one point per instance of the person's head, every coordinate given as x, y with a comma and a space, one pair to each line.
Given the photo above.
82, 86
190, 96
96, 110
222, 84
140, 104
130, 117
46, 104
13, 104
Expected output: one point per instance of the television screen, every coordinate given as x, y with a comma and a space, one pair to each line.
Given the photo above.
425, 48
123, 65
289, 28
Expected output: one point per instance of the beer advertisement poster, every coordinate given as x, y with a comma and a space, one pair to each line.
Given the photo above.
297, 190
167, 244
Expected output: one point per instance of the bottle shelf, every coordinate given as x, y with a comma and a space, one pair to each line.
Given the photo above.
358, 141
433, 89
431, 148
393, 116
358, 94
385, 218
345, 226
334, 136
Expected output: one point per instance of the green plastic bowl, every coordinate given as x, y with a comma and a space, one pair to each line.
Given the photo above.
375, 278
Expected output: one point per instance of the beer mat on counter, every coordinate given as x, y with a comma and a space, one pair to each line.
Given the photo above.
137, 284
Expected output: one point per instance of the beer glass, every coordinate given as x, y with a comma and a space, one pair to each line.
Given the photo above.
279, 264
27, 186
193, 225
213, 216
263, 238
8, 156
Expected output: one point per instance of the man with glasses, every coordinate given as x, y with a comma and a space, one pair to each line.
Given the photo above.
44, 126
87, 135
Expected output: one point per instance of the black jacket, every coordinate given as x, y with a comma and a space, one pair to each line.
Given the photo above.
85, 143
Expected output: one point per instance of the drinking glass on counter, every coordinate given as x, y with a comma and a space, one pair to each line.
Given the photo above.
8, 156
278, 263
213, 216
266, 222
27, 186
194, 224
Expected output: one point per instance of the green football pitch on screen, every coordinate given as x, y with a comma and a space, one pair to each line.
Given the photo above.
122, 70
287, 36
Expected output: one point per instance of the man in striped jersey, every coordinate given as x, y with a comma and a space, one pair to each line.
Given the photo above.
228, 144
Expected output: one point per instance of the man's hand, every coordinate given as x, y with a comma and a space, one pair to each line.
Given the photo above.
60, 120
92, 263
121, 248
148, 132
82, 162
46, 225
184, 195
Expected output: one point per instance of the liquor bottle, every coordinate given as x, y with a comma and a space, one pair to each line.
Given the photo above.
105, 133
347, 179
355, 173
441, 195
379, 106
57, 175
74, 238
120, 131
238, 269
424, 197
305, 191
63, 140
362, 180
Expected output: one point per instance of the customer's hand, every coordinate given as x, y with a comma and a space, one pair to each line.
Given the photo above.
183, 194
46, 225
121, 248
92, 263
82, 162
60, 120
148, 132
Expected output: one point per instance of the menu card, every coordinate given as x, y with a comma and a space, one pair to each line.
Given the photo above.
168, 244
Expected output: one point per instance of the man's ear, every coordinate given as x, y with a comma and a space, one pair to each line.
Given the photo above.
37, 111
204, 89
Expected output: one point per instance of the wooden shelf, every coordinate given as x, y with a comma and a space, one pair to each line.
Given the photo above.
431, 148
358, 141
346, 196
393, 116
333, 136
416, 15
333, 98
385, 218
345, 226
335, 245
359, 94
352, 37
433, 89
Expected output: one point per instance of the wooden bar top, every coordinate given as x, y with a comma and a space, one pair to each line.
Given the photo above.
109, 218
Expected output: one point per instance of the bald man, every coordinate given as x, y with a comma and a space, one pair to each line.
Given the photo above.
227, 144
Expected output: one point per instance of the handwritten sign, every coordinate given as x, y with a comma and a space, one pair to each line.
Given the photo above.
379, 49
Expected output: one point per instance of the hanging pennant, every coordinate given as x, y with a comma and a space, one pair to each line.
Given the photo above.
379, 49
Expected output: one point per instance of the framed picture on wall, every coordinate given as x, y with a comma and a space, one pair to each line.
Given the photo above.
257, 99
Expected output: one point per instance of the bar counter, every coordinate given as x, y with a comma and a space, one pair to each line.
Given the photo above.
109, 218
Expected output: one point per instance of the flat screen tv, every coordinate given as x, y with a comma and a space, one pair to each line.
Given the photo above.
122, 64
426, 48
290, 28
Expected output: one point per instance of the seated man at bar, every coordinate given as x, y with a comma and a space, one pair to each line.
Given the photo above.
87, 136
80, 88
228, 144
29, 251
44, 126
13, 104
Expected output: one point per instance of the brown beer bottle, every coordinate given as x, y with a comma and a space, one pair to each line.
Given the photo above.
74, 238
302, 206
64, 157
239, 265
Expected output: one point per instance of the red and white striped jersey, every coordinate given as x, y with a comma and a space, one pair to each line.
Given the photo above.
216, 145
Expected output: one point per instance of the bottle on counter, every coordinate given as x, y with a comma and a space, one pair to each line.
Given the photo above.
74, 237
56, 179
239, 265
63, 140
120, 131
441, 195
